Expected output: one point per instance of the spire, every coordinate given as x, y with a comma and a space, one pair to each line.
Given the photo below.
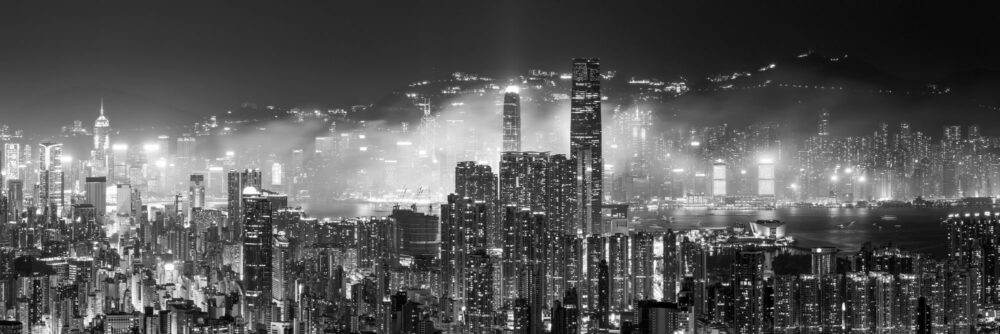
102, 121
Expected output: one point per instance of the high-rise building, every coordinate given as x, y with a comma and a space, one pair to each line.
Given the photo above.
418, 233
824, 260
51, 189
257, 253
15, 199
123, 197
102, 142
719, 178
238, 181
196, 194
511, 120
97, 195
279, 282
585, 142
748, 292
11, 161
479, 312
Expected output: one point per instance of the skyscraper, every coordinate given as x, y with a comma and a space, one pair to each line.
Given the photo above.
97, 195
196, 193
257, 252
748, 292
585, 141
238, 181
102, 142
15, 198
51, 190
11, 161
511, 119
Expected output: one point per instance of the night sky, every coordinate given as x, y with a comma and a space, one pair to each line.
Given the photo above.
186, 59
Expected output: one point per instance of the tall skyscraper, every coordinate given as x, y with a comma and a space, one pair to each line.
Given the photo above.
239, 180
196, 193
257, 252
279, 282
102, 142
51, 190
511, 119
748, 292
15, 199
11, 161
585, 141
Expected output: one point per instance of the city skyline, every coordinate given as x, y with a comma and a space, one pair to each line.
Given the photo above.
805, 191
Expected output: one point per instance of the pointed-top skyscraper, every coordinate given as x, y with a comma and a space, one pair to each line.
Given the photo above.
102, 145
585, 142
512, 119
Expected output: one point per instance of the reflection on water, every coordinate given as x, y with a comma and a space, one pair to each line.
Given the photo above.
915, 229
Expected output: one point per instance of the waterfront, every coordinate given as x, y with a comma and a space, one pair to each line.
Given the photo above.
919, 229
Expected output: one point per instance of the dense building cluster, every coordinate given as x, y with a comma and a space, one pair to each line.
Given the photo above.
161, 239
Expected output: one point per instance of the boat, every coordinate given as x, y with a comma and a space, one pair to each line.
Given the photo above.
888, 217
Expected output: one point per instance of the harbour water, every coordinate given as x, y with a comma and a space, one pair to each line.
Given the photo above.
914, 229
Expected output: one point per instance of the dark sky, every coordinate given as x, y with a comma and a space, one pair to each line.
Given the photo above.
198, 58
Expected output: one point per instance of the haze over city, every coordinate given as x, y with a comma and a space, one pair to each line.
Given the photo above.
499, 167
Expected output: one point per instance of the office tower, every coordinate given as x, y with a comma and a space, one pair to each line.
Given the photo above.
748, 292
585, 142
765, 177
11, 161
479, 312
196, 194
511, 120
824, 260
237, 181
97, 188
51, 189
102, 142
719, 178
119, 163
257, 252
124, 199
186, 147
15, 198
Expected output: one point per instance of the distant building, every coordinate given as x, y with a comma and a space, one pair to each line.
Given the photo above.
768, 228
